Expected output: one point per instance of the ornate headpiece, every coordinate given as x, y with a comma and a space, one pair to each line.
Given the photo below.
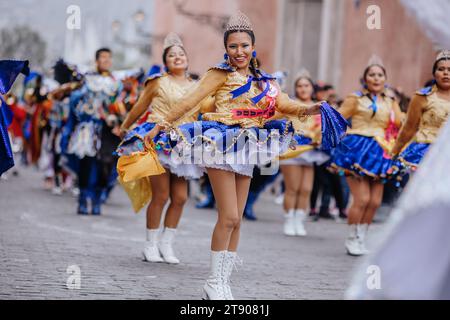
172, 39
375, 60
444, 54
303, 73
239, 22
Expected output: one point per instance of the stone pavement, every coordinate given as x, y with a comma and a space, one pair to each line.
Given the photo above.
41, 236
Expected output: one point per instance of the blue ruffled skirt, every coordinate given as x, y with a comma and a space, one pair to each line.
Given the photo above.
413, 154
134, 142
211, 144
361, 156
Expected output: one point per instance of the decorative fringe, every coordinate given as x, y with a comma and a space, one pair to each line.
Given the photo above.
334, 127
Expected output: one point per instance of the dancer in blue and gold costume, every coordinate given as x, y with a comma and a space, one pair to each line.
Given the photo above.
91, 133
427, 113
161, 92
235, 137
363, 155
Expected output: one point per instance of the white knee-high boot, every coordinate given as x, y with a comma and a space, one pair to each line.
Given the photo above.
362, 230
214, 286
151, 251
352, 242
300, 217
231, 259
289, 223
165, 246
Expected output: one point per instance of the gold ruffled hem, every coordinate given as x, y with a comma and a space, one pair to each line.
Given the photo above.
336, 169
134, 175
293, 153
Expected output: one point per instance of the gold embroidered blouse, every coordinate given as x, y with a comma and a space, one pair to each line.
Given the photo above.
219, 84
161, 93
427, 113
364, 121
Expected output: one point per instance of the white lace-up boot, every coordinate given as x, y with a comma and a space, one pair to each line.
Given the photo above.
214, 287
231, 259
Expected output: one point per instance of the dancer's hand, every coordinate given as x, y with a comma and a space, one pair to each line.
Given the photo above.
122, 133
152, 134
314, 109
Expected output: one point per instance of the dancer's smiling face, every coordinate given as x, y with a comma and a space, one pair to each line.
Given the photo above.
239, 47
175, 59
304, 89
442, 74
375, 78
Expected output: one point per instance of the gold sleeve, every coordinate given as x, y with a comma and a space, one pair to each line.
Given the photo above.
208, 104
409, 129
287, 106
349, 107
144, 101
207, 86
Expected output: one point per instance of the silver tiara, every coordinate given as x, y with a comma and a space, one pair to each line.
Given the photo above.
444, 54
303, 73
375, 60
172, 39
239, 22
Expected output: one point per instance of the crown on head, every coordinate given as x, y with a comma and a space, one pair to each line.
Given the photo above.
239, 22
172, 39
375, 60
303, 73
444, 54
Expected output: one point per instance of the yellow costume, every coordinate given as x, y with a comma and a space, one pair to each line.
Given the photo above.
427, 114
364, 151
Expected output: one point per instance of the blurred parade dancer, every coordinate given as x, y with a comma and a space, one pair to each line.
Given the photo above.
16, 127
363, 154
160, 93
298, 171
9, 70
91, 133
245, 99
69, 80
411, 261
427, 113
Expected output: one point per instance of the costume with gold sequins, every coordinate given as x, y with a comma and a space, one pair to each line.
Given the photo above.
365, 149
434, 117
168, 93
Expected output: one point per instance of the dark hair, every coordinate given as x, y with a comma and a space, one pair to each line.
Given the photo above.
99, 51
435, 65
366, 71
166, 51
310, 81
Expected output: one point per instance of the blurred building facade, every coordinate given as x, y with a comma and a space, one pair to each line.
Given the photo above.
329, 38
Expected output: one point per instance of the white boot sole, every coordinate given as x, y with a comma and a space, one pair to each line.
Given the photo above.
154, 261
